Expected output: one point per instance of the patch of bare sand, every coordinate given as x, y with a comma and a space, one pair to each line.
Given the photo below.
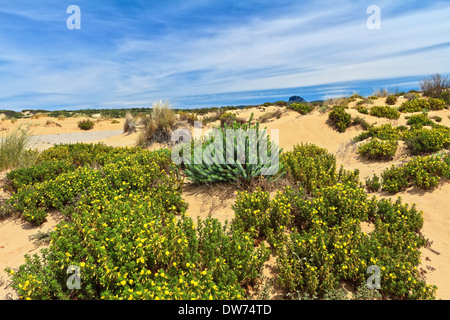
55, 126
210, 201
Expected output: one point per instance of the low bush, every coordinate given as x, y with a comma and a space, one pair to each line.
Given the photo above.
428, 140
419, 119
270, 115
362, 109
86, 124
301, 108
383, 132
190, 117
445, 96
373, 184
385, 112
422, 172
129, 237
378, 149
394, 179
436, 104
339, 118
313, 167
391, 100
43, 171
414, 105
228, 119
411, 96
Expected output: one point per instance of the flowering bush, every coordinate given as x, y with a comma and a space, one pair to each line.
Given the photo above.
313, 167
301, 108
378, 149
422, 172
419, 119
339, 118
323, 244
128, 234
428, 140
436, 104
373, 184
362, 109
383, 132
414, 105
385, 112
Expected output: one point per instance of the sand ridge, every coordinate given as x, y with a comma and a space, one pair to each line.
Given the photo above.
216, 201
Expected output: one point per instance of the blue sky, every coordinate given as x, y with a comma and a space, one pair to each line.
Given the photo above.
213, 53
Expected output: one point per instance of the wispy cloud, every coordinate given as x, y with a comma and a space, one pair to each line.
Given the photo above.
133, 52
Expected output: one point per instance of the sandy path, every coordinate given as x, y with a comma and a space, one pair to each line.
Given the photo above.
46, 141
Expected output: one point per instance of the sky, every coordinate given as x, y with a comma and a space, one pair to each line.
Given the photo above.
131, 53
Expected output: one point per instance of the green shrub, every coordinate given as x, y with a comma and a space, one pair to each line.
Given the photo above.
436, 104
86, 124
383, 132
313, 167
391, 100
270, 115
414, 105
190, 117
437, 119
394, 179
301, 108
422, 172
362, 109
385, 112
261, 217
373, 184
326, 245
419, 119
128, 233
339, 118
378, 149
445, 95
44, 171
360, 121
428, 140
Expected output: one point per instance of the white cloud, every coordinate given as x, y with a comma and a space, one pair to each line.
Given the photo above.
283, 51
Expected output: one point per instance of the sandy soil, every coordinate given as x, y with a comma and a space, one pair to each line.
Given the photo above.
216, 200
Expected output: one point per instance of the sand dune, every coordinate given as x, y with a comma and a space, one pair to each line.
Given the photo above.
216, 200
